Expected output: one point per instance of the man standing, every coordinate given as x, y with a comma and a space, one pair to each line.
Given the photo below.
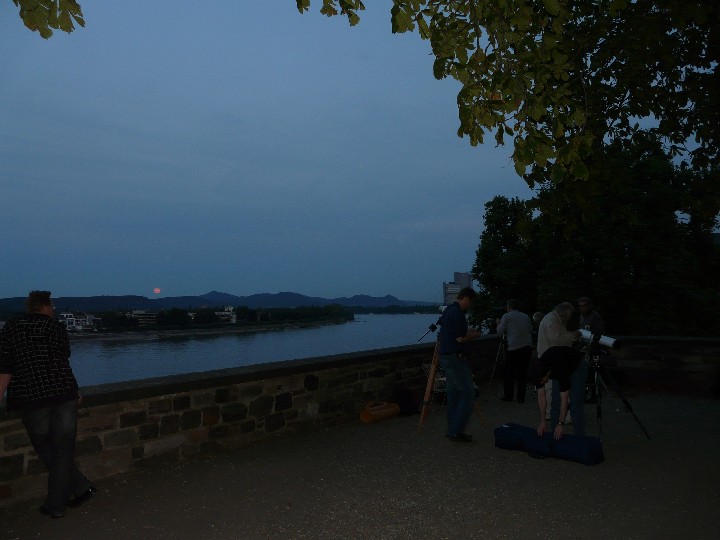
458, 375
517, 327
559, 361
35, 370
591, 321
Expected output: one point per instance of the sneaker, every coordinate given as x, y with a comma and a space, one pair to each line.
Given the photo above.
460, 437
83, 497
44, 510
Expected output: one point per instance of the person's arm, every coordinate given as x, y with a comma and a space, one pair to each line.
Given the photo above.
542, 406
564, 398
469, 335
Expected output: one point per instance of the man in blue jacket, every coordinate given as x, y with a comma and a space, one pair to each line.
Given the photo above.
454, 332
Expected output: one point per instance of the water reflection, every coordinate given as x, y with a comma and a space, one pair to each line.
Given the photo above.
99, 361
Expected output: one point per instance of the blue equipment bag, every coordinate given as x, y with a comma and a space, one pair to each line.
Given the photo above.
578, 448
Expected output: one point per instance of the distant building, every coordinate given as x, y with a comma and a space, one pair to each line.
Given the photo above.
452, 288
144, 318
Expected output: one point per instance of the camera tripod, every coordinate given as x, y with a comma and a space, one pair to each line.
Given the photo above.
602, 377
500, 356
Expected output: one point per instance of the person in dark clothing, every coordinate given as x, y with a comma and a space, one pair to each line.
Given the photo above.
454, 332
561, 365
35, 370
517, 329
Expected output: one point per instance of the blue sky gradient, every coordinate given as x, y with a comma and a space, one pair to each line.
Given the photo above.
234, 146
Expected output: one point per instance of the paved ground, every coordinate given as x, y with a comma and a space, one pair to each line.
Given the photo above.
384, 481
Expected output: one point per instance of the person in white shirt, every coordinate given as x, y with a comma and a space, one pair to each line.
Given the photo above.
517, 330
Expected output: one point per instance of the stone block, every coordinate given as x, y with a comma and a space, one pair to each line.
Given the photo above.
164, 445
291, 415
261, 406
97, 422
35, 466
108, 463
11, 467
218, 432
160, 406
181, 403
112, 409
134, 418
10, 426
274, 422
138, 452
204, 399
378, 372
283, 401
234, 412
196, 436
226, 395
148, 431
190, 420
29, 487
14, 441
248, 426
88, 445
210, 416
120, 438
250, 391
5, 491
169, 424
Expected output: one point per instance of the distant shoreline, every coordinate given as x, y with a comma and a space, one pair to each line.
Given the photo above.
149, 335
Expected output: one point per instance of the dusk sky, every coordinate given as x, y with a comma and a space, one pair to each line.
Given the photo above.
234, 146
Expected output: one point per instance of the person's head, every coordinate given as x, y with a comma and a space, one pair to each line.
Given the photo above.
511, 304
539, 371
39, 302
565, 311
465, 297
585, 305
537, 317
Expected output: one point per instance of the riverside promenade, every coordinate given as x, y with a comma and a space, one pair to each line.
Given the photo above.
386, 481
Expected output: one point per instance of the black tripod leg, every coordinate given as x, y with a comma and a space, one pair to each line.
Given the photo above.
598, 407
628, 407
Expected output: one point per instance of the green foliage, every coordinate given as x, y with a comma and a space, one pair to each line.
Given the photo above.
648, 271
349, 8
43, 16
563, 78
173, 317
501, 266
205, 316
116, 320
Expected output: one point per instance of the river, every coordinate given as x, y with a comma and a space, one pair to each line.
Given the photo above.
97, 361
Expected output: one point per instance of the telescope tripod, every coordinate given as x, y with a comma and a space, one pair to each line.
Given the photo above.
601, 379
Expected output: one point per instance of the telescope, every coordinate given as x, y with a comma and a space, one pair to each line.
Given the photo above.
605, 341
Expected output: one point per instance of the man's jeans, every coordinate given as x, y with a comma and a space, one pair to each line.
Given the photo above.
460, 392
52, 431
578, 379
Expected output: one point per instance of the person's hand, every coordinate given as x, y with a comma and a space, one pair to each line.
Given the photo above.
79, 398
541, 428
558, 432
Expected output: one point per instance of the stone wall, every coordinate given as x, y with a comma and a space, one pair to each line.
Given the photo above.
124, 425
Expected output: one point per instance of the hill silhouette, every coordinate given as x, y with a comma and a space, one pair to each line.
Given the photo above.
96, 304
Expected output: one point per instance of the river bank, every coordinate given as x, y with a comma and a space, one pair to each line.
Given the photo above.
156, 334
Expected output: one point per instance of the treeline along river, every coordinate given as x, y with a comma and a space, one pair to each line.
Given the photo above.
99, 361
